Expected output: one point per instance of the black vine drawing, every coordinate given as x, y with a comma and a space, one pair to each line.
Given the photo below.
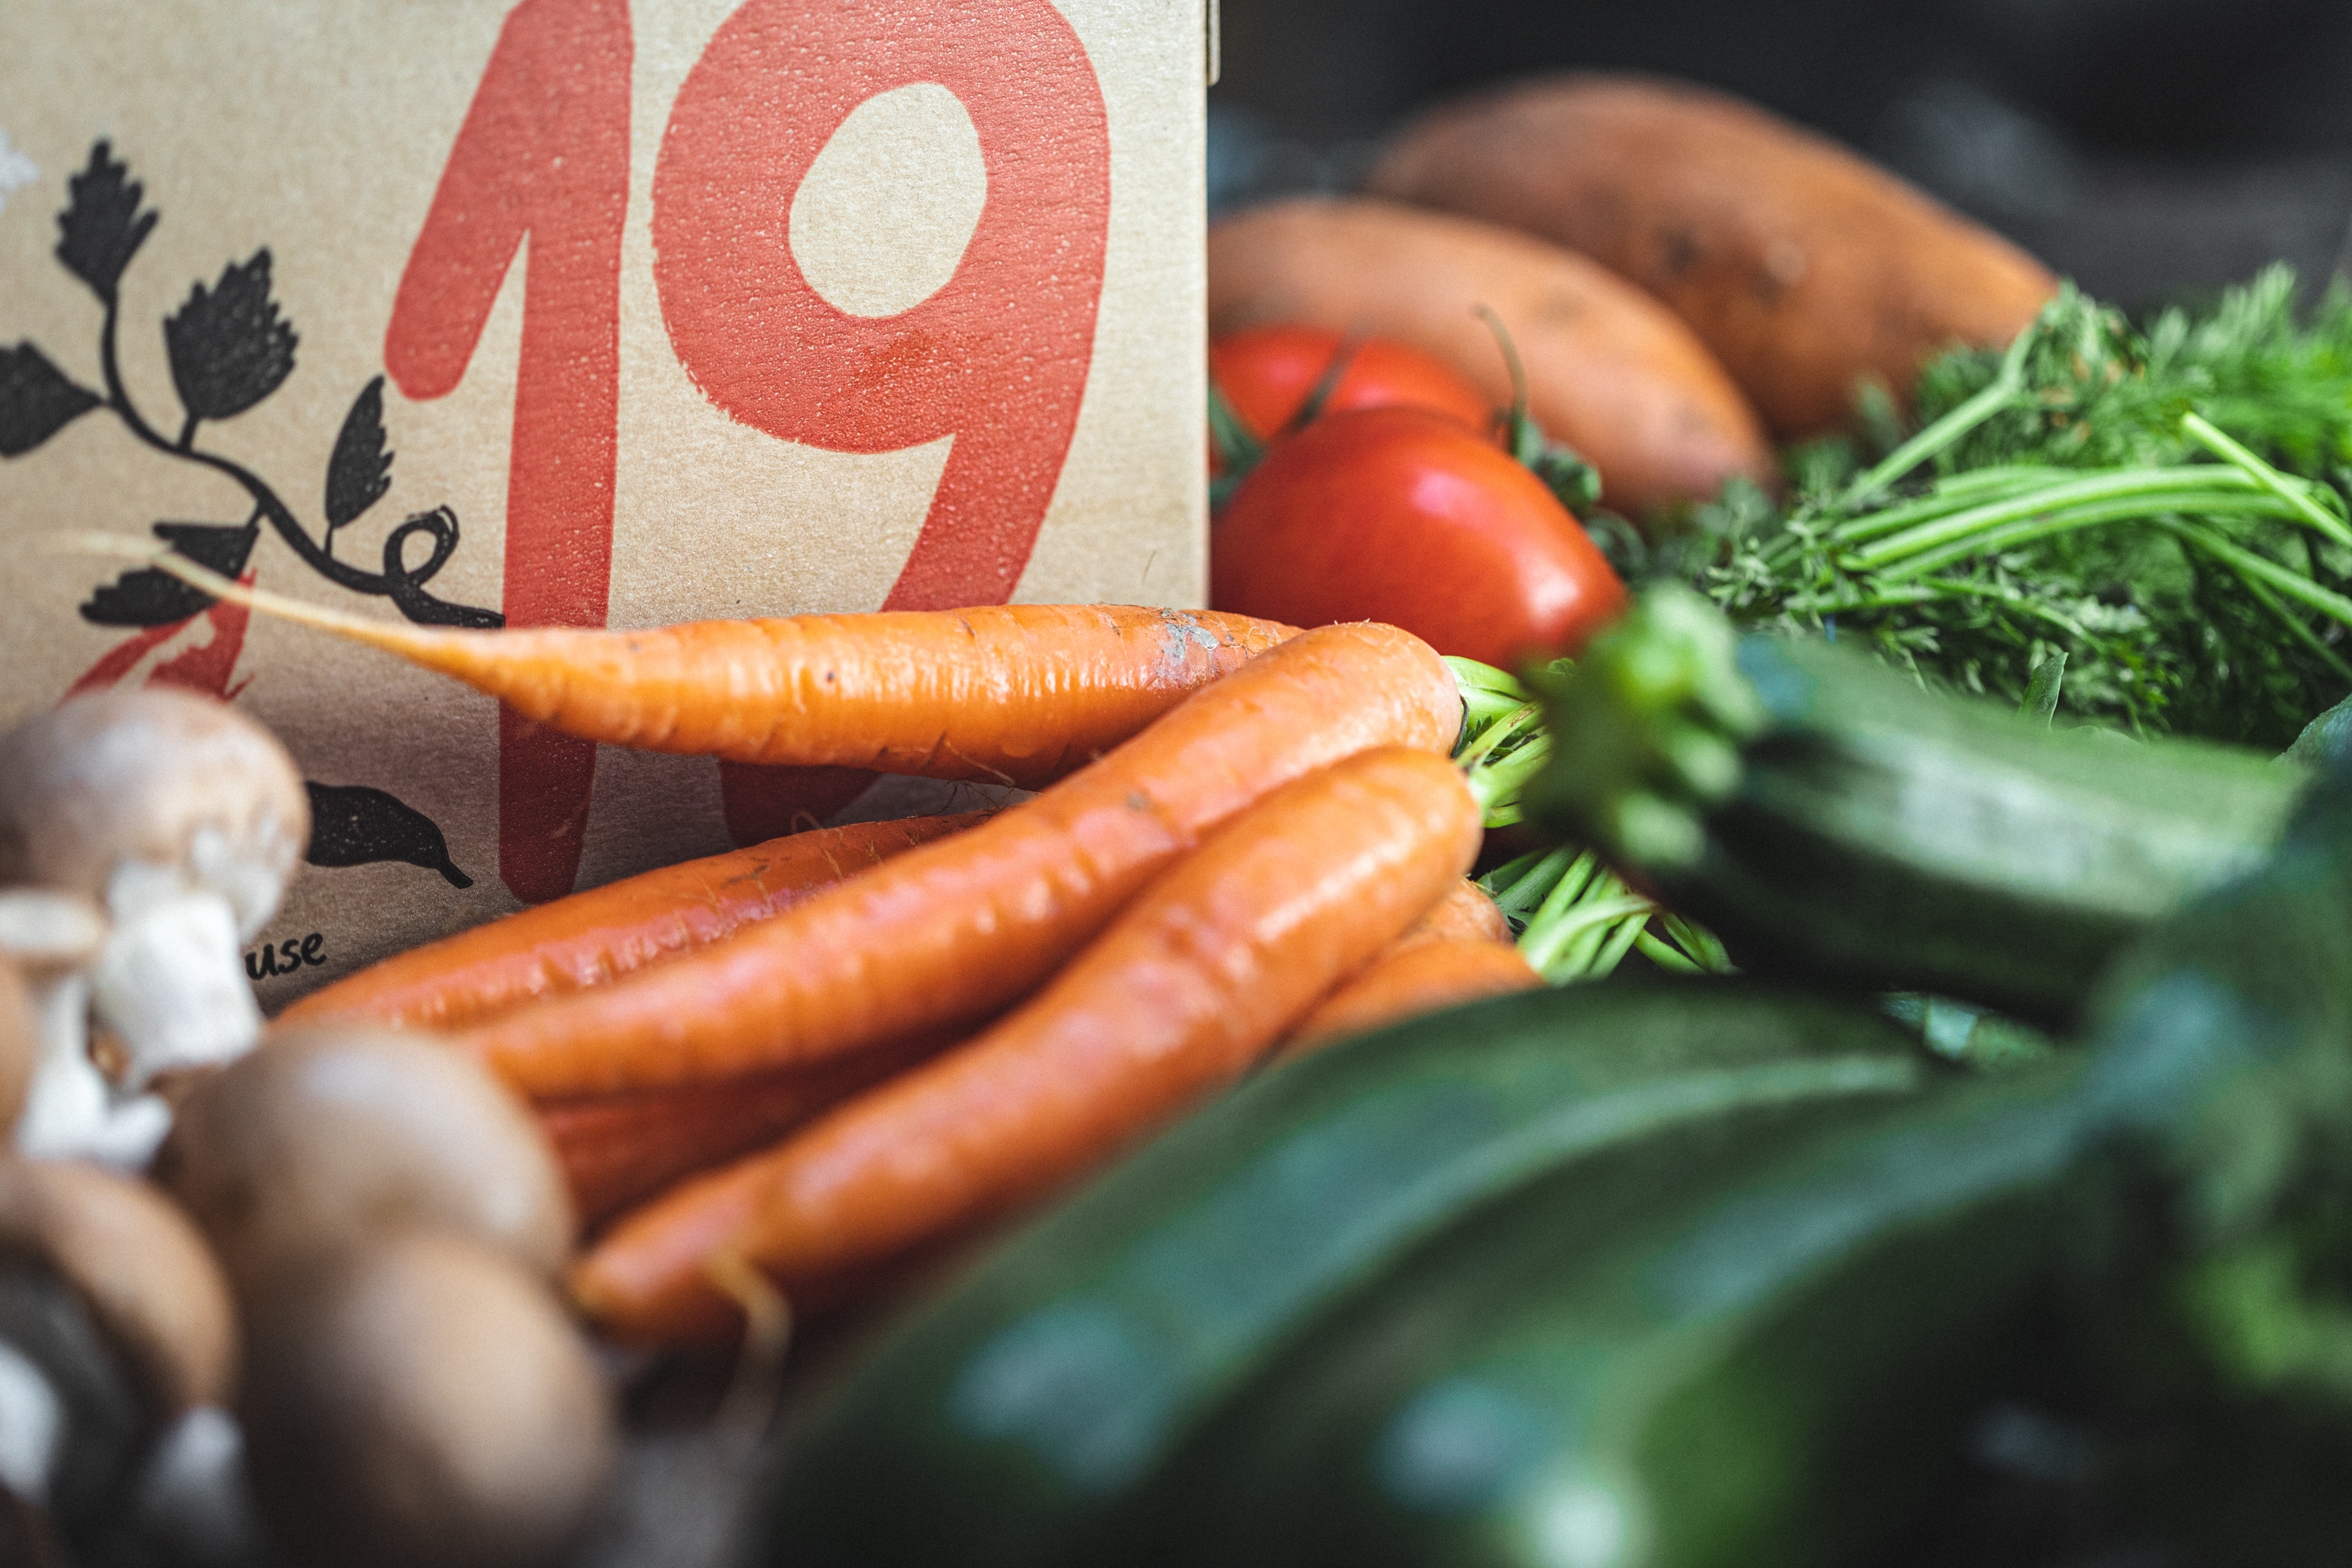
229, 348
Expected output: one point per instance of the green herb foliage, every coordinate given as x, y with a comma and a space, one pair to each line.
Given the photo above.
2165, 507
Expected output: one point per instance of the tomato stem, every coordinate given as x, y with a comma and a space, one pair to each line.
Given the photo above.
1238, 448
1326, 385
1573, 481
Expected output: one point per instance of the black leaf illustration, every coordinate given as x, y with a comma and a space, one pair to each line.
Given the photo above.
37, 399
102, 228
150, 597
229, 347
353, 825
360, 470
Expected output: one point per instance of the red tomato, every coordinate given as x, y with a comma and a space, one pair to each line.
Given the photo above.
1404, 516
1267, 373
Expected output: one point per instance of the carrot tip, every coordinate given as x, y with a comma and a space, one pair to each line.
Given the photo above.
767, 1327
91, 541
164, 558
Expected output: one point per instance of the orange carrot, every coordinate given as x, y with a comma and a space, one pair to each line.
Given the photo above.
1410, 979
591, 938
1185, 990
1016, 694
1464, 914
617, 1149
954, 930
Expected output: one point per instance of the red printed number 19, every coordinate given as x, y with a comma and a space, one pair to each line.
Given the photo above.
997, 358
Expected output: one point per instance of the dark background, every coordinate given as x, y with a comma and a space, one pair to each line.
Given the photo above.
2150, 149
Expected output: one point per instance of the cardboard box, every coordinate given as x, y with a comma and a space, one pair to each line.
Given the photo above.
576, 312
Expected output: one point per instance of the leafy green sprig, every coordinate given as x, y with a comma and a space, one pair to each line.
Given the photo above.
2096, 492
1574, 919
1504, 739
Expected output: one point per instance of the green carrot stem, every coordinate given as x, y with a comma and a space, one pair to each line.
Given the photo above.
1977, 486
1545, 943
2278, 484
1487, 736
1595, 951
2154, 490
1472, 676
2073, 518
1498, 781
1507, 883
2296, 629
1847, 602
1579, 875
1525, 883
1929, 589
1700, 943
1665, 955
1619, 942
2003, 390
2252, 567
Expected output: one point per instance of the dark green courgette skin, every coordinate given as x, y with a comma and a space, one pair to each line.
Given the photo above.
1750, 1344
2213, 1254
2224, 1213
1018, 1419
1825, 814
1753, 1344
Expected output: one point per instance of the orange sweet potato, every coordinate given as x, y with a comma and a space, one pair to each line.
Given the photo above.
1610, 371
1802, 266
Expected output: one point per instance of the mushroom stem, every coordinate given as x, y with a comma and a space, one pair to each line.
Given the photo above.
44, 930
172, 983
32, 1425
71, 1111
190, 1491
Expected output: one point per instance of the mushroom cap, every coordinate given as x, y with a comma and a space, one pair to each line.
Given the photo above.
20, 1045
322, 1138
138, 1265
156, 777
423, 1400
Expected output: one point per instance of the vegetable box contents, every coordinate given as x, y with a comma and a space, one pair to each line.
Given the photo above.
1617, 1004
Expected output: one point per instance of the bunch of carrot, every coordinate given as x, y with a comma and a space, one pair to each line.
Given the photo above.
826, 1054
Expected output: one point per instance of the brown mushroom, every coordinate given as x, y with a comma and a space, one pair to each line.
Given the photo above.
423, 1400
149, 1280
71, 1419
183, 820
328, 1136
115, 1330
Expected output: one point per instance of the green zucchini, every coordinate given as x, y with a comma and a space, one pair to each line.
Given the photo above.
1761, 1344
2218, 1278
1019, 1419
1752, 1344
2231, 1187
1826, 814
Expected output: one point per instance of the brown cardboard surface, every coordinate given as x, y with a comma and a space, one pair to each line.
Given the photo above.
320, 131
